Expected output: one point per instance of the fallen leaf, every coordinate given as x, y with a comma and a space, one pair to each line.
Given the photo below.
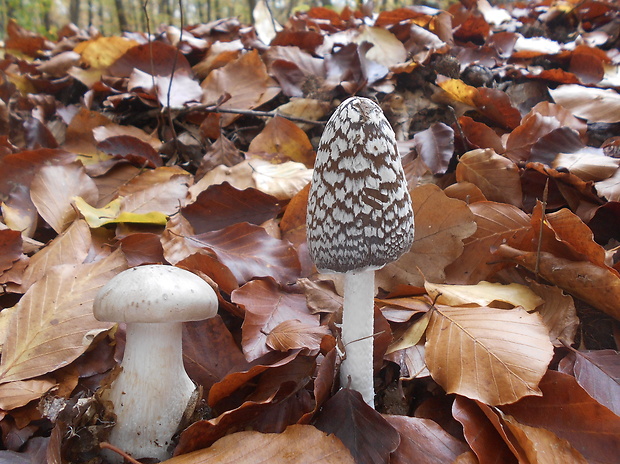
293, 334
495, 356
21, 392
52, 191
483, 294
495, 175
367, 434
267, 307
285, 141
595, 105
568, 411
298, 444
423, 441
50, 326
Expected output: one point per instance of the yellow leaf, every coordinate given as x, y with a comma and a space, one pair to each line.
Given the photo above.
96, 217
459, 91
483, 294
111, 214
411, 336
102, 52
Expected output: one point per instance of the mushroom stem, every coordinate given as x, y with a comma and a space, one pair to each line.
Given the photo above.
151, 393
357, 333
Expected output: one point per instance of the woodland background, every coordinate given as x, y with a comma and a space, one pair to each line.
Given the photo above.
497, 334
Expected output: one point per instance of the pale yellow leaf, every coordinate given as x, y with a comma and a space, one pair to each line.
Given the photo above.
282, 181
387, 50
595, 105
495, 356
48, 330
483, 294
411, 336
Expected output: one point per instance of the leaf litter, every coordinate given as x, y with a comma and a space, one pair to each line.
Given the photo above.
494, 333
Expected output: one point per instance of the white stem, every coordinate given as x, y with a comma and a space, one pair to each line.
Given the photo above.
152, 391
357, 333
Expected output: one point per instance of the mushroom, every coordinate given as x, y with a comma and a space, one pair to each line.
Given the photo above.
359, 219
152, 391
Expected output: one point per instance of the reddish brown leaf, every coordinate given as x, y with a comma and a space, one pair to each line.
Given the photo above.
10, 248
598, 373
496, 176
248, 251
132, 149
495, 105
569, 412
283, 140
266, 307
436, 146
369, 436
480, 434
480, 135
596, 285
142, 248
423, 441
222, 205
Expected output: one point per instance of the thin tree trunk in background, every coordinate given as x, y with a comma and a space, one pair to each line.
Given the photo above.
251, 5
120, 14
90, 12
74, 12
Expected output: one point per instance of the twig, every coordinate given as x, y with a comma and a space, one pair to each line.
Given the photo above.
264, 114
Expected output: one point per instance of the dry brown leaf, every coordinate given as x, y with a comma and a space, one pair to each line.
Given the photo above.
441, 225
293, 334
298, 444
21, 392
163, 189
541, 445
483, 294
596, 285
282, 181
497, 223
492, 355
558, 313
53, 323
495, 175
284, 141
595, 105
245, 80
52, 191
70, 247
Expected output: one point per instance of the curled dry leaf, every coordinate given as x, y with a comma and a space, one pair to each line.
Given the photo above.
598, 373
497, 223
284, 141
52, 191
441, 224
595, 105
596, 285
298, 444
245, 80
50, 326
569, 412
483, 294
10, 248
492, 355
266, 307
496, 176
423, 441
558, 313
21, 392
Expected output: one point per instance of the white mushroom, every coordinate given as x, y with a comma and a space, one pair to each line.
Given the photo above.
152, 391
359, 219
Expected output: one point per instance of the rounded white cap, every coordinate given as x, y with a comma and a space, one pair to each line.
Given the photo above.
155, 293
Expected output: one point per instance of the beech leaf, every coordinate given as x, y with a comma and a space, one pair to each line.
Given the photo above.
54, 322
492, 355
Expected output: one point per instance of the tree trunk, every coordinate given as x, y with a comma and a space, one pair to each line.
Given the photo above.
120, 14
74, 12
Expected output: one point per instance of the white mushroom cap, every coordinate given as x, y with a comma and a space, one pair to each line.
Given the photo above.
155, 293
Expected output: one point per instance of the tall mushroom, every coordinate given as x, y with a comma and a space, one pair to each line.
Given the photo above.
359, 219
152, 390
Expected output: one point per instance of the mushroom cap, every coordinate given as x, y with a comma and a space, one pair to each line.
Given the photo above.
359, 209
155, 293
